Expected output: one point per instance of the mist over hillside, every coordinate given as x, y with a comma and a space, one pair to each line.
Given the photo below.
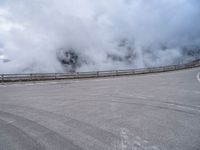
87, 35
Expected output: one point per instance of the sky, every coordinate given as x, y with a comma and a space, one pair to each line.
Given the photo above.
104, 34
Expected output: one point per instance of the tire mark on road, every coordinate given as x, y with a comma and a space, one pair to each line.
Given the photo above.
50, 139
12, 136
99, 134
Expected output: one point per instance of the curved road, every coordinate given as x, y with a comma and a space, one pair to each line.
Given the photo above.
148, 112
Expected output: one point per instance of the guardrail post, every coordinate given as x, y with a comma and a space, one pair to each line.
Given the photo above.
2, 78
116, 72
176, 67
55, 76
149, 70
77, 75
133, 71
31, 76
163, 69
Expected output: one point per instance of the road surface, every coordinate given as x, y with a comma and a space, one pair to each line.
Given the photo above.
148, 112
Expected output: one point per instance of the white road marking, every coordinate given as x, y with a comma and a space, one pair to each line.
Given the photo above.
10, 122
198, 76
124, 139
188, 108
129, 141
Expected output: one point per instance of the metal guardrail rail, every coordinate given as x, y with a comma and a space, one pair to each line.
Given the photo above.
78, 75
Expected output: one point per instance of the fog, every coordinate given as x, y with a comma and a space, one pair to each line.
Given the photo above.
38, 36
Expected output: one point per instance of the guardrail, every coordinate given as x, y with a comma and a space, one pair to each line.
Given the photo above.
78, 75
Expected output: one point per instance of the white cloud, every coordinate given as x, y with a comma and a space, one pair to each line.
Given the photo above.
150, 33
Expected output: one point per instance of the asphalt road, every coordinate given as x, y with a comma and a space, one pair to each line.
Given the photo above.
147, 112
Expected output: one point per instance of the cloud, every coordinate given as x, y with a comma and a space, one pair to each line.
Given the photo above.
106, 34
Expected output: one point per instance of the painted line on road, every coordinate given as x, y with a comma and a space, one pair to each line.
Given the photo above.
198, 76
